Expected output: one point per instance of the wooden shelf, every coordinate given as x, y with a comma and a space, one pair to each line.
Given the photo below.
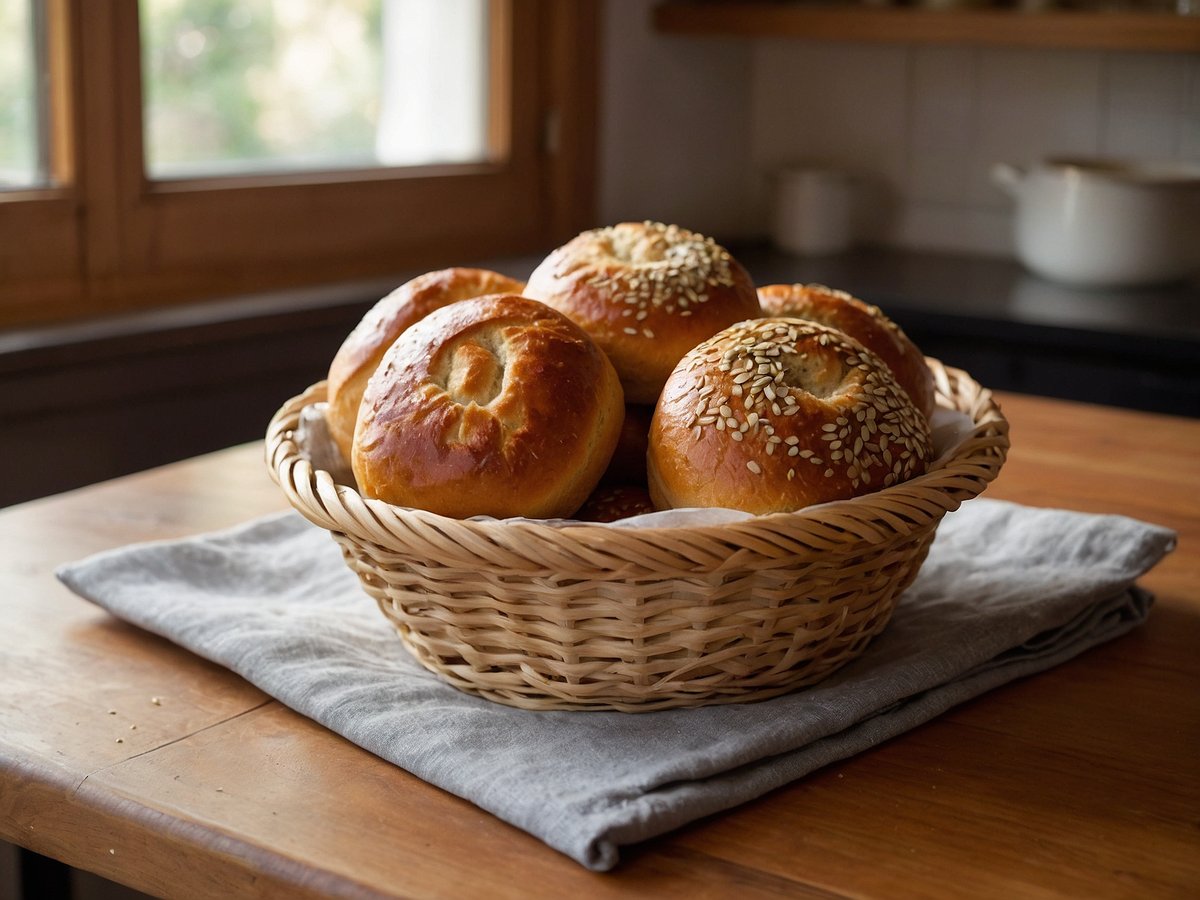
1100, 30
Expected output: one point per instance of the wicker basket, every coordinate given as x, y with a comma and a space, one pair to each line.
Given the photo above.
598, 617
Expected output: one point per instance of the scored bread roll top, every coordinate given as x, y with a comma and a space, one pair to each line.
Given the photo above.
772, 415
496, 406
647, 293
364, 347
864, 322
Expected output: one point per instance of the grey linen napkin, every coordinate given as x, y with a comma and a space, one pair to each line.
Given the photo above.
1007, 591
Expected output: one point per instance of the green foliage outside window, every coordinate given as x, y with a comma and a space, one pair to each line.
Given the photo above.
244, 84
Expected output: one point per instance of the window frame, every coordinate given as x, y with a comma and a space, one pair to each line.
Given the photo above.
107, 239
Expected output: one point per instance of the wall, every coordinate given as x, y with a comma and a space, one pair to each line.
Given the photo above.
674, 126
710, 119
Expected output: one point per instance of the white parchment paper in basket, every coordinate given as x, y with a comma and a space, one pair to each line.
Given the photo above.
950, 428
1005, 592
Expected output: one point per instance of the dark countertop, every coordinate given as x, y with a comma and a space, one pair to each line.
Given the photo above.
992, 291
1013, 330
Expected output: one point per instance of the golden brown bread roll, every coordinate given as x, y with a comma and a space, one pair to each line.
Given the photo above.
496, 406
608, 503
647, 293
864, 322
362, 350
628, 464
777, 414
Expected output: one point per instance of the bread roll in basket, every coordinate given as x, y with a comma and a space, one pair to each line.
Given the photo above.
544, 616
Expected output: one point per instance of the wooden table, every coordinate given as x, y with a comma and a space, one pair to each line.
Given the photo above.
1083, 781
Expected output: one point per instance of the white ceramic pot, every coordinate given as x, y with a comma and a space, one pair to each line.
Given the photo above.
1106, 223
814, 211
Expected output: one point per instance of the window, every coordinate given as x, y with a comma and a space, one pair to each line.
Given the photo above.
171, 150
20, 146
265, 85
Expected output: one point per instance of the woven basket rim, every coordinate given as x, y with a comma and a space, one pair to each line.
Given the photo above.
963, 474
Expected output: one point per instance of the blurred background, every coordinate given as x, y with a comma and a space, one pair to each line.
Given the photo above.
200, 198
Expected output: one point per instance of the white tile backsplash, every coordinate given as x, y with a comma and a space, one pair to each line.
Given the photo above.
1152, 81
938, 174
674, 127
942, 98
800, 94
953, 227
1146, 104
1033, 104
695, 127
1139, 133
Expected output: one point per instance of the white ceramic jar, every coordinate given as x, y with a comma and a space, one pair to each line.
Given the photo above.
1106, 223
814, 211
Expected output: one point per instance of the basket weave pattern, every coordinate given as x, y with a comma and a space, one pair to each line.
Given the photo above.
596, 617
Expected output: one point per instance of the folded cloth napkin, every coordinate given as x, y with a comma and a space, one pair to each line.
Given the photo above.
1006, 591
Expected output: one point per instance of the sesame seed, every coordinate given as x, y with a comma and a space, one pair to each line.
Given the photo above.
754, 467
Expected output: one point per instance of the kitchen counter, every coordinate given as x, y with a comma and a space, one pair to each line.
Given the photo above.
1080, 781
1011, 329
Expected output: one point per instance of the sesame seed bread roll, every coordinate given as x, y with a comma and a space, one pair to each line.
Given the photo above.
864, 322
647, 293
364, 347
772, 415
496, 406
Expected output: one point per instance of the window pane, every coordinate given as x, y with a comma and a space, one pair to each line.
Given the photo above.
236, 86
20, 162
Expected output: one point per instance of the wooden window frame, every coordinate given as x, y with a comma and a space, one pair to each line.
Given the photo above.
107, 239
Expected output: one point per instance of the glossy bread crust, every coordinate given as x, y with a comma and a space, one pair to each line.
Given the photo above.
647, 293
864, 322
364, 347
774, 415
496, 406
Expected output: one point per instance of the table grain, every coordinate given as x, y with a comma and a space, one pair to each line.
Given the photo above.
126, 756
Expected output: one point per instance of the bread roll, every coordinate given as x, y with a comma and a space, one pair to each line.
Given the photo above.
608, 503
864, 322
773, 415
496, 406
362, 350
647, 293
628, 464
